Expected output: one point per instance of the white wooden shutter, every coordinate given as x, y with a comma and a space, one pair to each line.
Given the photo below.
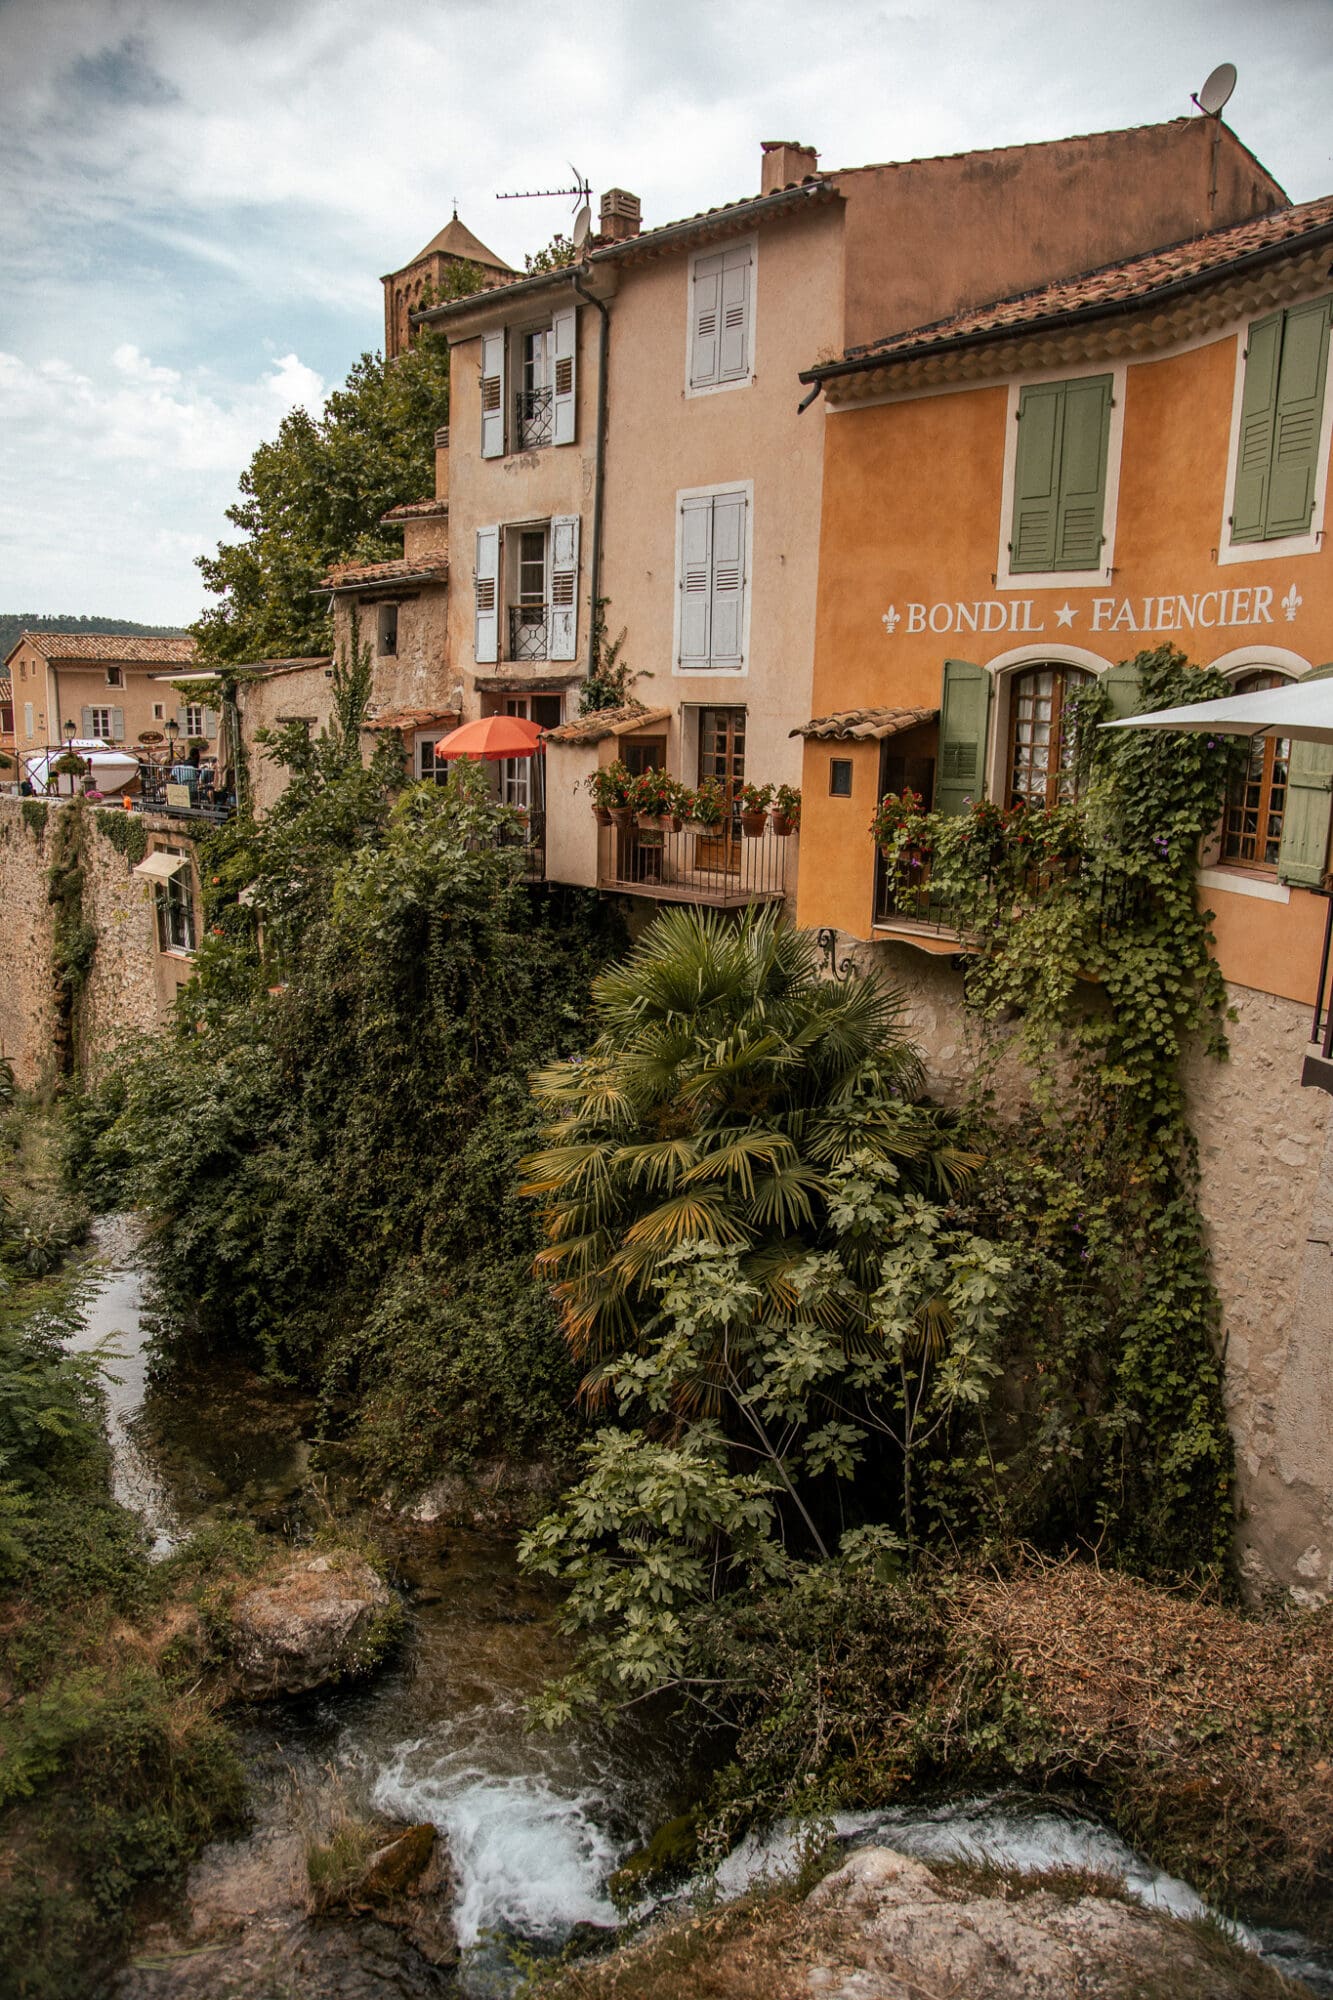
86, 724
727, 629
695, 583
486, 582
492, 397
118, 725
563, 563
734, 347
705, 320
564, 343
210, 728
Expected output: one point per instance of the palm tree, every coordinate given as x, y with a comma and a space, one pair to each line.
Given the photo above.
728, 1081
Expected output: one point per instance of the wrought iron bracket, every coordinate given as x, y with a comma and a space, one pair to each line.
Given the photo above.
837, 968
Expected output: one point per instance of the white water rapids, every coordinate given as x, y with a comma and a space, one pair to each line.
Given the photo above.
534, 1824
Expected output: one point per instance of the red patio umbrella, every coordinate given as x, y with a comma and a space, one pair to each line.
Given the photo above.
492, 737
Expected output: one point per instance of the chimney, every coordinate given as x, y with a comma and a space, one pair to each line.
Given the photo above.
620, 217
782, 161
442, 463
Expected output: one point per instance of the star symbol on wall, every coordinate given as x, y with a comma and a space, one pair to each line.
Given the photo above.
1065, 615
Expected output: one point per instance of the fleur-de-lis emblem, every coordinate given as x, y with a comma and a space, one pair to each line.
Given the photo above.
893, 618
1292, 603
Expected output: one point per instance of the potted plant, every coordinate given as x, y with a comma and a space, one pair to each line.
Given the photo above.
706, 806
754, 803
609, 786
786, 809
651, 797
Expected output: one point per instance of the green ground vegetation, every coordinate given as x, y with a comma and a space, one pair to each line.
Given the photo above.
346, 1090
113, 1767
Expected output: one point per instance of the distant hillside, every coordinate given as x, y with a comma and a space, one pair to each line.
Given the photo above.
14, 622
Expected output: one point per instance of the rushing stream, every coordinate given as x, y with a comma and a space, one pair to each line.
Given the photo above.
534, 1824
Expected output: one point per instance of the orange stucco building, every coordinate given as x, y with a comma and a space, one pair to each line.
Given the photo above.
924, 576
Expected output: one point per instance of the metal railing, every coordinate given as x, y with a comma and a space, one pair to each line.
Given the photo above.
534, 419
920, 905
159, 787
721, 866
529, 631
1318, 1067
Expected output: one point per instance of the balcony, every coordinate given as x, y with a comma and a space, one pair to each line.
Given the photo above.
721, 867
534, 419
919, 913
529, 631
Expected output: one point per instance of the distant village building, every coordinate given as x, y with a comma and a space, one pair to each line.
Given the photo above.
108, 687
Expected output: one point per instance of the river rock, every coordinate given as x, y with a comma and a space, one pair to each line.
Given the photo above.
321, 1619
897, 1927
495, 1496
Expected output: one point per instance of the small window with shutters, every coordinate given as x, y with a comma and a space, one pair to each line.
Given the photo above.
1058, 516
1281, 424
712, 580
720, 351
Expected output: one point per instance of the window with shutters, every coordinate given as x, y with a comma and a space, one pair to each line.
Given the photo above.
1281, 445
1041, 743
712, 580
720, 336
100, 723
541, 571
196, 720
1057, 509
1257, 795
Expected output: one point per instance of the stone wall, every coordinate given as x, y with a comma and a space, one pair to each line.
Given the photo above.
304, 691
1266, 1195
131, 984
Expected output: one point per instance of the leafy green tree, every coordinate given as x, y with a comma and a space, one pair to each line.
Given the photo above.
315, 495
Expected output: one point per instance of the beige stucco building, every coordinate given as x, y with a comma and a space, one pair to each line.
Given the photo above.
110, 687
628, 431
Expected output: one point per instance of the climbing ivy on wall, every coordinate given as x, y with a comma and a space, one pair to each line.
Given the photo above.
1089, 950
74, 940
126, 832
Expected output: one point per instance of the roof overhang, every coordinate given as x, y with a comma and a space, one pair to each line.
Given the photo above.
385, 586
864, 725
600, 726
160, 867
1200, 302
463, 319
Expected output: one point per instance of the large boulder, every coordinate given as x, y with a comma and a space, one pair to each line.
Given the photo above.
321, 1619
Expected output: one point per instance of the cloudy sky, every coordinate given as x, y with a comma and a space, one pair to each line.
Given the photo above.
197, 197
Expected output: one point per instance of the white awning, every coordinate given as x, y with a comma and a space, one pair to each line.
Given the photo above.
1302, 712
161, 867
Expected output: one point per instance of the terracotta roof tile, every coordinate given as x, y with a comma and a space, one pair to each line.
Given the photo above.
416, 510
413, 718
604, 722
403, 569
128, 648
859, 725
1132, 281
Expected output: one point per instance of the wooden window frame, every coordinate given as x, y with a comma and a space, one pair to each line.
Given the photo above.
1058, 791
1274, 764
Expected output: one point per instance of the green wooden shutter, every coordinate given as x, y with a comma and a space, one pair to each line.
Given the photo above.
1082, 503
1258, 410
1122, 687
1300, 408
1305, 820
1037, 476
964, 712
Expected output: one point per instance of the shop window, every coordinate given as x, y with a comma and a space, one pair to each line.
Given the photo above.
1041, 741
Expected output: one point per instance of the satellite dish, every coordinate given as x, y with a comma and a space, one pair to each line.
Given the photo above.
1217, 90
582, 225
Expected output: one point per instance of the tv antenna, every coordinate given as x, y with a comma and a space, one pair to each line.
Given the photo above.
1213, 97
582, 193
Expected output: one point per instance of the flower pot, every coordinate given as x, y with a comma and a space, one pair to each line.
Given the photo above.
753, 824
700, 828
621, 817
782, 825
601, 815
676, 822
652, 822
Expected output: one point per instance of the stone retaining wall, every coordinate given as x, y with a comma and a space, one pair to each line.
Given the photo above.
1266, 1194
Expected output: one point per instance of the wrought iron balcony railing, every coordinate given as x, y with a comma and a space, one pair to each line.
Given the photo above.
529, 631
720, 866
919, 905
534, 419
